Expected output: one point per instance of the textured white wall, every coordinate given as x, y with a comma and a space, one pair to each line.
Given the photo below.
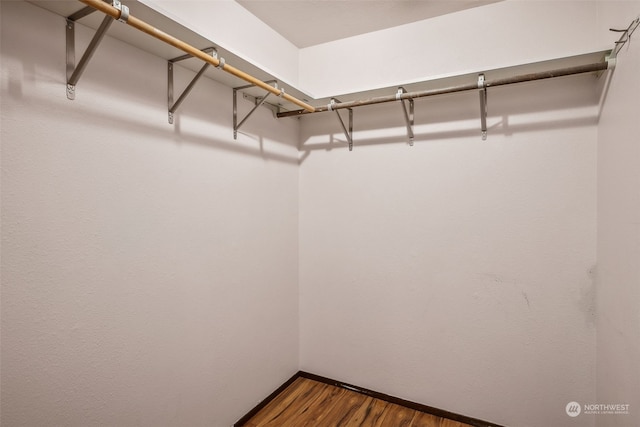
457, 272
149, 271
618, 344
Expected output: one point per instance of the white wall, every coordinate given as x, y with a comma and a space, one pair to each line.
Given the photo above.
618, 344
149, 271
457, 273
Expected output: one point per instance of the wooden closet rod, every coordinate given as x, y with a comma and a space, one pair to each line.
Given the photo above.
599, 66
160, 35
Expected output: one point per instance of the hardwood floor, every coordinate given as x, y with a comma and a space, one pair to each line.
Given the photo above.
309, 403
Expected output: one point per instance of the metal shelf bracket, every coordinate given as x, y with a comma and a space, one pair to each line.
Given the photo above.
74, 72
625, 37
408, 116
348, 133
482, 89
258, 101
173, 106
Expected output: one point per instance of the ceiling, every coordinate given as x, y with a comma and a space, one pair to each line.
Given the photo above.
310, 22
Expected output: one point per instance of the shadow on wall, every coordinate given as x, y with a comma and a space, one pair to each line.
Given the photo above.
566, 102
107, 119
205, 118
107, 91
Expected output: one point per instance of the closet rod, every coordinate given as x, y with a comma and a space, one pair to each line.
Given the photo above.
160, 35
589, 68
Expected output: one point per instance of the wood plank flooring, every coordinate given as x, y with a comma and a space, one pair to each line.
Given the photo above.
309, 403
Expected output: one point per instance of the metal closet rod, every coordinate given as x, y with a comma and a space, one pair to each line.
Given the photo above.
160, 35
589, 68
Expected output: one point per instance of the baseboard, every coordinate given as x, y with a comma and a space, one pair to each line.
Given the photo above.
242, 421
402, 402
377, 395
